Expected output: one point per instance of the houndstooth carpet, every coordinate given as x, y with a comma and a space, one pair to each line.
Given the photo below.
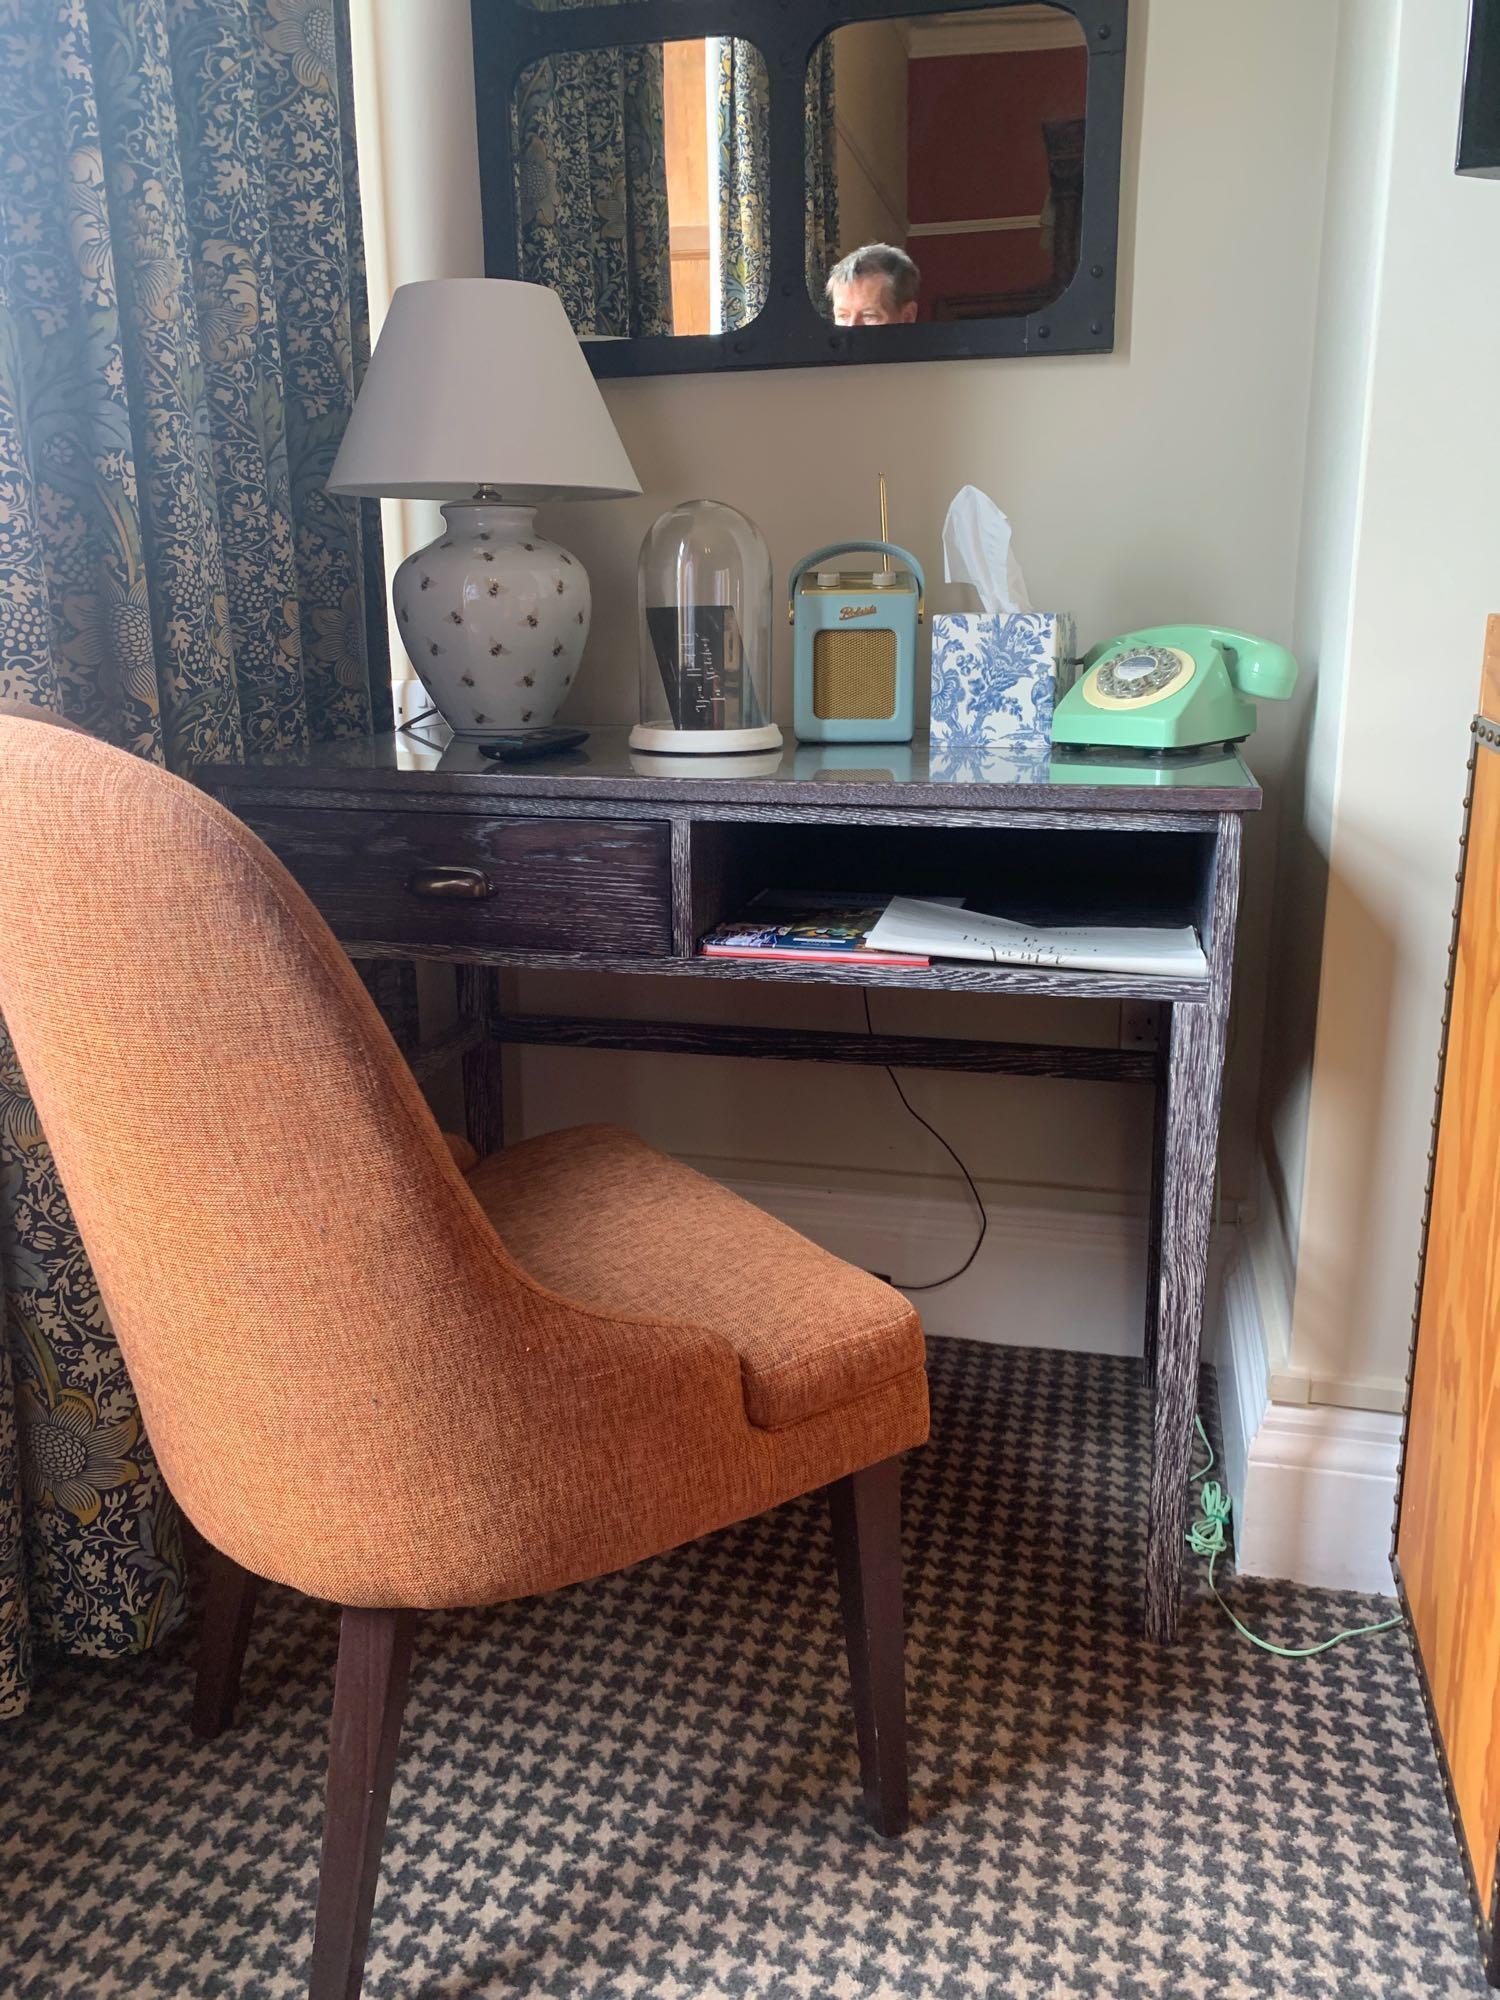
646, 1786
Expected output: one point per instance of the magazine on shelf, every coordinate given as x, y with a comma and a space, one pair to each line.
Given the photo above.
942, 930
827, 928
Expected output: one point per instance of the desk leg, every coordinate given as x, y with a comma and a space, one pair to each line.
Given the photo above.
1154, 1219
484, 1102
1195, 1065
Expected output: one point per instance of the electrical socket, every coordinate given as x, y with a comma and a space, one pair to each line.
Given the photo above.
1138, 1029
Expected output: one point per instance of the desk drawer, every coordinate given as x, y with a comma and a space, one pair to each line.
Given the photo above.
460, 879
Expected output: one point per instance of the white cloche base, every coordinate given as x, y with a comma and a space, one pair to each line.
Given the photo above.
704, 742
494, 618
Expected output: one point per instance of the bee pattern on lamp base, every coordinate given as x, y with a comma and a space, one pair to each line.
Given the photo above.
494, 618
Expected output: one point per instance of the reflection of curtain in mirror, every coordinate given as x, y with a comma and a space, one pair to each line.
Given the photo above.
591, 186
741, 221
742, 247
822, 234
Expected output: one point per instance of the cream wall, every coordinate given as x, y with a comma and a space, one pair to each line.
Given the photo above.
1353, 247
1353, 252
1399, 577
1163, 481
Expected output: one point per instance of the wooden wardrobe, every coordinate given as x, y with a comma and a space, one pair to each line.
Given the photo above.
1448, 1508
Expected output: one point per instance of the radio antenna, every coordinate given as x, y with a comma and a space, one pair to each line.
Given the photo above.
885, 519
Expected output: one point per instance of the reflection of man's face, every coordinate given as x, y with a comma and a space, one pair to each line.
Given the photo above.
868, 302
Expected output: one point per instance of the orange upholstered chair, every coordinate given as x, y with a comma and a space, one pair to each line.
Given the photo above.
365, 1374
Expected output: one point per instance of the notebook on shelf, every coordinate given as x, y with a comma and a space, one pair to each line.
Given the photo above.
946, 930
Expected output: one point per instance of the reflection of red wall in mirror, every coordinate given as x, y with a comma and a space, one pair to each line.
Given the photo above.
975, 152
965, 267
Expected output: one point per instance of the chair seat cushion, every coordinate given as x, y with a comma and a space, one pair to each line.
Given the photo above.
598, 1215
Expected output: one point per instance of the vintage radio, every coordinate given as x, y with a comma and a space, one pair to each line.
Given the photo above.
854, 660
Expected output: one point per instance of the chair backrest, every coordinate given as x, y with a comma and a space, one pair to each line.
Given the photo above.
300, 1281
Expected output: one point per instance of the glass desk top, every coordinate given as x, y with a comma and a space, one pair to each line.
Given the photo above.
869, 774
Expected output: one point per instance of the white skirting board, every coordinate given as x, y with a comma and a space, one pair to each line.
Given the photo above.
1313, 1486
1046, 1277
1319, 1499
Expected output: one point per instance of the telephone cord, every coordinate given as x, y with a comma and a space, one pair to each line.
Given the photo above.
1209, 1536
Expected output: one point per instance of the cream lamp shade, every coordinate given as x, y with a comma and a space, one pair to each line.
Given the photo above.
480, 382
478, 395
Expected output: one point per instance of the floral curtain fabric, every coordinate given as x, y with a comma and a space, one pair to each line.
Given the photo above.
743, 222
182, 321
591, 185
820, 165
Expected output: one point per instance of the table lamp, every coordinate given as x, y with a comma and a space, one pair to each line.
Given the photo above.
478, 395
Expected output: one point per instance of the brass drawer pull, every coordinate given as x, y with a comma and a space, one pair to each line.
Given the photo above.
450, 885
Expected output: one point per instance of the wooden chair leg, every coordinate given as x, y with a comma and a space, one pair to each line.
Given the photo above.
228, 1609
369, 1694
866, 1513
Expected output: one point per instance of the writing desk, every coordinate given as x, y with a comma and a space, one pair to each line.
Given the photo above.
607, 861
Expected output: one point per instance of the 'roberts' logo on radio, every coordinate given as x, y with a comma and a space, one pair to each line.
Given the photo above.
857, 610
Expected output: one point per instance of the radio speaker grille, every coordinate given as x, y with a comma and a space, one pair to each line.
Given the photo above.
854, 676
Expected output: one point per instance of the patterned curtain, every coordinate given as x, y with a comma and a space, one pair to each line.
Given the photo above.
589, 133
742, 235
820, 165
182, 319
743, 243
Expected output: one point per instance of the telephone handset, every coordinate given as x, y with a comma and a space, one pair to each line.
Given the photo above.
1173, 687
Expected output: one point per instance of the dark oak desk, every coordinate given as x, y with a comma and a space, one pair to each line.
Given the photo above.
613, 863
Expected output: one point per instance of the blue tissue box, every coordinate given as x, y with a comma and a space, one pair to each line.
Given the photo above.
994, 676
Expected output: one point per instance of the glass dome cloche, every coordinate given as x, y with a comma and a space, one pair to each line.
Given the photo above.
705, 598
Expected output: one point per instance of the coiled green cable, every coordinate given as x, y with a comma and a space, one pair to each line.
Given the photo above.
1209, 1536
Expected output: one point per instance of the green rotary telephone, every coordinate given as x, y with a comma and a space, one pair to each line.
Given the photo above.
1173, 687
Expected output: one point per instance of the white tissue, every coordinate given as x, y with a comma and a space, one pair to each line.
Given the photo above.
977, 549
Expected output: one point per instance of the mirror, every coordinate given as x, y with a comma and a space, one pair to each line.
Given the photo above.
689, 196
642, 184
610, 187
945, 165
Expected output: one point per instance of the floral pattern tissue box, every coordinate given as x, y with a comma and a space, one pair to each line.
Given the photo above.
994, 676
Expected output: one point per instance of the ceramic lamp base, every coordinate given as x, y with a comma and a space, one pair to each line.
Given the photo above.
494, 617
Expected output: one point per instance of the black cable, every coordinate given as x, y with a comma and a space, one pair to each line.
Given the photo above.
411, 722
984, 1215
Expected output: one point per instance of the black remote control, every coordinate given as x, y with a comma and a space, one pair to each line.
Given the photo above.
520, 746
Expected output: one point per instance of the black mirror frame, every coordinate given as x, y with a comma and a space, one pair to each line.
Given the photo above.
789, 332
